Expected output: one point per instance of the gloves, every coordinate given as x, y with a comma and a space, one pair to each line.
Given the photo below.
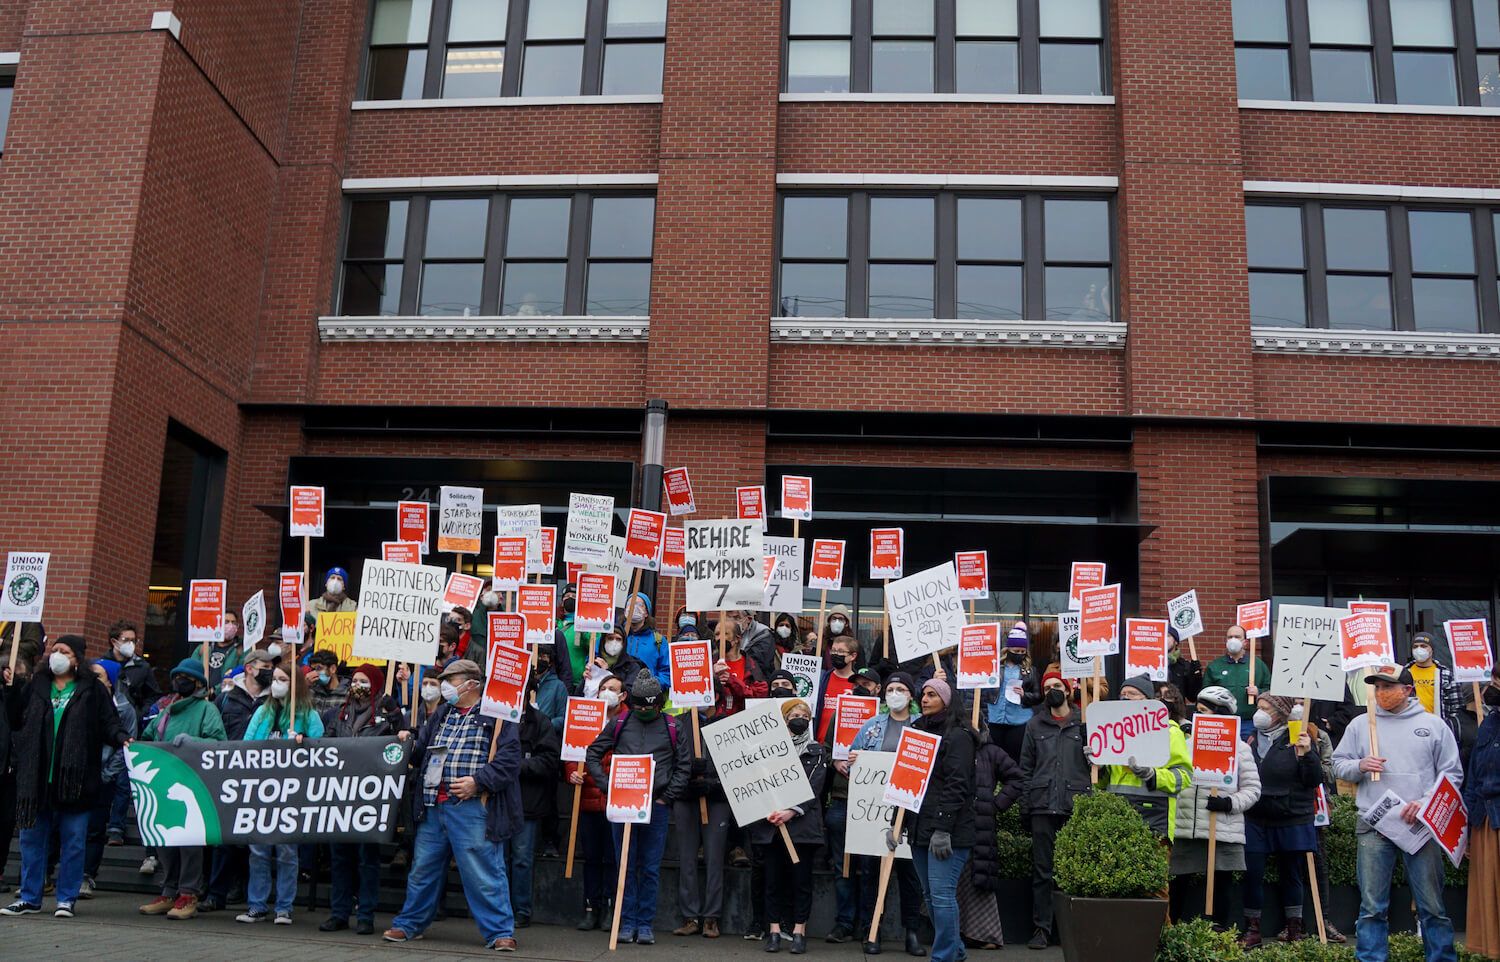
1146, 775
941, 846
700, 767
1218, 803
890, 839
179, 740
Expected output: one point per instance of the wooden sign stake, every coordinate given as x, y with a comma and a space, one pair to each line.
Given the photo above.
886, 862
614, 929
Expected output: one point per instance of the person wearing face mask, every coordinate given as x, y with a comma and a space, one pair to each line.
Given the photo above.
114, 763
838, 623
1185, 673
335, 596
328, 690
551, 693
756, 641
1054, 772
1152, 791
227, 655
789, 886
1482, 799
836, 816
576, 643
784, 627
644, 643
702, 904
1414, 753
137, 679
1234, 672
838, 680
596, 845
612, 659
687, 625
783, 684
745, 672
1011, 705
1433, 680
541, 764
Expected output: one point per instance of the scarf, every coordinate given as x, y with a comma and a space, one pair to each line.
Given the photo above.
802, 741
70, 748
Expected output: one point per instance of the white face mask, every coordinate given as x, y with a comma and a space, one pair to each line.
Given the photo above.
612, 648
126, 650
274, 650
59, 663
610, 697
784, 631
1263, 721
279, 688
897, 701
1234, 645
491, 600
837, 625
450, 692
335, 585
430, 693
1422, 655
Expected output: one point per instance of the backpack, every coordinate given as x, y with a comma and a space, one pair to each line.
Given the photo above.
624, 717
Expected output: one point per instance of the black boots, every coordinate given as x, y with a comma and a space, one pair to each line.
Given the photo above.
591, 918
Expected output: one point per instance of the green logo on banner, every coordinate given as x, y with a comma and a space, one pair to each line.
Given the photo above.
23, 589
173, 805
393, 754
1184, 618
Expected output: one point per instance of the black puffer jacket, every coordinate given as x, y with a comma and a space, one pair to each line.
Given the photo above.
948, 805
1288, 784
997, 785
541, 764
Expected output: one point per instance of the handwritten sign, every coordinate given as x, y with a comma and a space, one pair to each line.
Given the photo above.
460, 519
1308, 662
784, 586
1216, 751
1120, 730
587, 538
925, 611
336, 634
869, 815
757, 765
400, 610
723, 565
679, 488
979, 656
521, 521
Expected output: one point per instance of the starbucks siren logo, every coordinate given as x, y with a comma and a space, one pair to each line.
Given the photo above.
1184, 618
393, 754
23, 589
252, 621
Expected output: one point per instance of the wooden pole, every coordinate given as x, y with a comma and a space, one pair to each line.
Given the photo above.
885, 621
886, 862
796, 527
291, 690
1193, 649
614, 928
974, 724
1098, 671
698, 753
1213, 845
1312, 883
1374, 735
573, 828
790, 848
1250, 667
823, 628
416, 691
15, 648
307, 569
390, 676
208, 676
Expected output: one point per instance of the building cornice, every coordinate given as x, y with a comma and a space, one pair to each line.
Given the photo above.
860, 330
525, 329
1282, 340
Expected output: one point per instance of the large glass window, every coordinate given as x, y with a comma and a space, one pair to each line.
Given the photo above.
1278, 266
7, 90
946, 254
522, 255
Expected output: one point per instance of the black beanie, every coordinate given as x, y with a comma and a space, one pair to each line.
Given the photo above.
76, 644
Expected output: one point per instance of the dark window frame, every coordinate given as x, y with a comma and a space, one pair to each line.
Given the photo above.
8, 82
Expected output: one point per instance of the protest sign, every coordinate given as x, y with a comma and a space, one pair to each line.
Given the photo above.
808, 672
289, 592
586, 540
461, 591
404, 552
1365, 640
1385, 817
750, 504
1099, 621
509, 561
400, 610
1082, 576
926, 615
538, 605
583, 722
1255, 618
595, 607
506, 669
630, 784
679, 488
253, 620
335, 633
869, 815
796, 497
574, 570
973, 569
460, 519
887, 552
615, 565
1469, 639
692, 674
269, 792
25, 586
643, 538
1322, 817
760, 771
521, 521
1184, 615
1307, 662
1216, 751
1447, 818
1369, 607
673, 553
547, 540
412, 518
827, 570
306, 518
723, 565
1146, 648
784, 587
206, 599
1120, 730
911, 772
850, 714
1072, 665
979, 656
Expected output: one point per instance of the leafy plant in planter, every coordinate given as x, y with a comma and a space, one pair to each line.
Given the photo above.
1199, 941
1108, 865
1013, 846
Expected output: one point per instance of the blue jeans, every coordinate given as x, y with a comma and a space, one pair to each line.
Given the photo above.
71, 828
121, 803
643, 874
1424, 873
521, 854
356, 874
258, 891
845, 890
940, 887
457, 828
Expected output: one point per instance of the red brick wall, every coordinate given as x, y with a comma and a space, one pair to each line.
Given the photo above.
1389, 390
1327, 147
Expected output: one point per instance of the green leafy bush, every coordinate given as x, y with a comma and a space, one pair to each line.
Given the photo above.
1013, 846
1307, 950
1197, 941
1106, 851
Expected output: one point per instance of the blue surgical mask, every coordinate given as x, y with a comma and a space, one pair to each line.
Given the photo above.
450, 693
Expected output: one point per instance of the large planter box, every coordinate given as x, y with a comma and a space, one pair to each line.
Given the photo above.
1121, 930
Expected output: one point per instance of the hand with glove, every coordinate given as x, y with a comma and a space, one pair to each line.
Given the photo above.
179, 740
890, 839
1219, 803
941, 846
1145, 774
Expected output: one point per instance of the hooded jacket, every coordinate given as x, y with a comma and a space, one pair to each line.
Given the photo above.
649, 648
1416, 746
997, 785
1053, 765
194, 717
138, 681
1288, 782
541, 763
1192, 805
236, 706
759, 645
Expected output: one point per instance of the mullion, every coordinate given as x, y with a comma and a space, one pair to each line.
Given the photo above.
945, 250
416, 243
594, 22
945, 48
1315, 260
1299, 32
1403, 306
576, 274
515, 43
1489, 282
1384, 52
858, 272
1029, 54
494, 259
1033, 252
1467, 42
862, 28
437, 50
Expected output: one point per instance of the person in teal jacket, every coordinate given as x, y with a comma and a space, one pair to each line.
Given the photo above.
645, 643
1152, 791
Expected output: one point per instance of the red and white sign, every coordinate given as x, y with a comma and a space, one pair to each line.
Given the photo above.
826, 572
1099, 621
1370, 607
307, 513
510, 563
462, 590
750, 504
206, 601
1255, 618
679, 488
1365, 640
1469, 638
412, 519
692, 674
850, 714
595, 609
289, 591
916, 754
674, 553
643, 538
1447, 818
1146, 648
973, 569
547, 539
1322, 818
574, 570
538, 605
887, 552
405, 552
1083, 576
979, 656
1119, 731
583, 722
507, 668
796, 497
630, 783
1216, 751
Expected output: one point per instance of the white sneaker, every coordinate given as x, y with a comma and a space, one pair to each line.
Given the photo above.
64, 910
283, 918
148, 865
250, 917
86, 890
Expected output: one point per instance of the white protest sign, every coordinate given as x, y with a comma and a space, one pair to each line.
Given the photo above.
808, 670
521, 521
1183, 614
723, 565
868, 814
1120, 730
1307, 662
752, 752
400, 610
587, 538
460, 519
253, 620
1067, 647
926, 612
784, 590
25, 586
615, 565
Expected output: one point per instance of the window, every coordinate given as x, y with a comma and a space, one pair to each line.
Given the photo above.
945, 46
519, 255
453, 49
1435, 52
7, 91
973, 256
1363, 267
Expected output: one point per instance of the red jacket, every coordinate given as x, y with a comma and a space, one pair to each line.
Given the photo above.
592, 798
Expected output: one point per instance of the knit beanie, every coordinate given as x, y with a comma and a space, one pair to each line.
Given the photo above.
941, 688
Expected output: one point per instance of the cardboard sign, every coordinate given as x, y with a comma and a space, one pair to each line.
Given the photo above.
1099, 622
979, 656
887, 553
723, 565
335, 633
807, 671
679, 488
586, 540
25, 589
1120, 730
289, 594
1146, 648
1365, 640
796, 497
1216, 751
925, 611
1469, 639
1255, 618
1307, 662
827, 570
850, 714
911, 772
631, 779
509, 561
507, 669
673, 553
973, 574
1083, 576
253, 621
1447, 818
692, 665
869, 815
460, 519
412, 518
462, 590
1184, 615
615, 566
405, 552
547, 539
400, 611
206, 600
784, 586
521, 521
595, 608
1073, 665
538, 605
644, 531
582, 723
306, 518
757, 765
750, 504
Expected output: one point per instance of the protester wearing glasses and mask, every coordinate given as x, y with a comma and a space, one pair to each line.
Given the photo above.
1234, 672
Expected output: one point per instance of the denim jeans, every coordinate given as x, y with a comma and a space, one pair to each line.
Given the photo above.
940, 887
457, 828
1424, 873
71, 828
121, 803
98, 819
356, 874
845, 890
521, 858
643, 874
259, 890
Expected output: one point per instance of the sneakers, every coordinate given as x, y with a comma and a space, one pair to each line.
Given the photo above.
397, 935
184, 908
504, 945
21, 908
839, 935
250, 917
1039, 939
754, 934
115, 839
627, 934
690, 927
86, 890
283, 918
148, 865
644, 936
160, 905
64, 910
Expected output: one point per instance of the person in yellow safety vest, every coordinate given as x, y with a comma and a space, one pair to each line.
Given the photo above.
1152, 791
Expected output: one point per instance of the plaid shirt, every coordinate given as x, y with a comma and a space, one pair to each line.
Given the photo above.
468, 749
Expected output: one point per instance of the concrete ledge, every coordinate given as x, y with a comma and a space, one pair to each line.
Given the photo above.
595, 329
858, 330
1279, 340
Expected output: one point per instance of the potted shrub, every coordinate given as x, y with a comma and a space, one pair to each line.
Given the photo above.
1108, 867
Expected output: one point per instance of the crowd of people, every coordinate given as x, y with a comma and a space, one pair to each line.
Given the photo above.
491, 800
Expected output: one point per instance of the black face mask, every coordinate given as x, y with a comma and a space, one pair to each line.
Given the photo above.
797, 725
1015, 657
569, 605
1056, 697
542, 667
783, 693
865, 692
1492, 697
184, 686
838, 661
263, 678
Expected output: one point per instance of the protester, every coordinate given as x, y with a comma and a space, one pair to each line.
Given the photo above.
576, 642
612, 659
541, 762
1011, 705
701, 907
1056, 771
997, 785
789, 885
756, 641
784, 627
596, 844
1323, 745
551, 692
742, 672
1482, 799
835, 820
137, 679
1234, 672
229, 867
13, 698
333, 598
462, 619
838, 680
838, 623
327, 690
1435, 687
1185, 674
114, 764
1152, 791
687, 625
644, 643
227, 655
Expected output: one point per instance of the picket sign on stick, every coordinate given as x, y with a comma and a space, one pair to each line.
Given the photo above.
614, 928
1213, 845
1370, 714
887, 861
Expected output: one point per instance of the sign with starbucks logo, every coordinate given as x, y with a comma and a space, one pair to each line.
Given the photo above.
253, 619
1184, 615
25, 586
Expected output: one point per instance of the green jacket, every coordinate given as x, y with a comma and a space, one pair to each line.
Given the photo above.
196, 718
1171, 779
1235, 675
578, 648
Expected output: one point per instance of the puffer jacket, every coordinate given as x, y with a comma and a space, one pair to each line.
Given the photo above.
1192, 805
541, 756
997, 785
1289, 783
948, 805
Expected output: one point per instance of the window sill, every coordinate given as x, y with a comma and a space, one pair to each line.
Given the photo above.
1333, 107
1033, 181
516, 329
1095, 100
859, 330
1278, 340
595, 100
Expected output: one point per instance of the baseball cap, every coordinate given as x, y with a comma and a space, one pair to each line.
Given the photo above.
1389, 673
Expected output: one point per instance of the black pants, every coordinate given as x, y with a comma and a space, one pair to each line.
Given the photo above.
789, 887
1189, 895
907, 885
596, 846
1044, 829
1009, 737
229, 869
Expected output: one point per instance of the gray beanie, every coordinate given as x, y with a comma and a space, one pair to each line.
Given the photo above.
1140, 683
645, 691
